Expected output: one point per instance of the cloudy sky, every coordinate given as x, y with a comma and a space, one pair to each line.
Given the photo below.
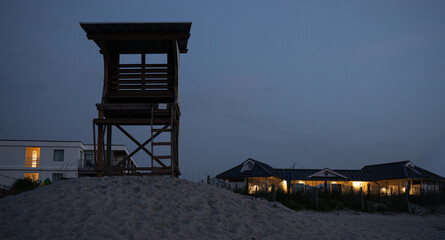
311, 84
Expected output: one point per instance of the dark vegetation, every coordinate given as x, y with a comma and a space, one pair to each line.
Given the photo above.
20, 185
318, 200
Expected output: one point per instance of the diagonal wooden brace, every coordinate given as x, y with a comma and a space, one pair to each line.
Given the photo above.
142, 146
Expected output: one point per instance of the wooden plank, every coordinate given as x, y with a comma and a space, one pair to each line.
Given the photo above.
131, 76
163, 157
161, 130
153, 94
142, 73
129, 36
130, 121
144, 144
157, 65
137, 143
129, 106
123, 81
141, 87
108, 152
161, 143
138, 70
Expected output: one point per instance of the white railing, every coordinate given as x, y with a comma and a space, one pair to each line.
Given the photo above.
218, 183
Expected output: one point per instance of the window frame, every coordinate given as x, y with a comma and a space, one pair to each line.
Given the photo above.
63, 155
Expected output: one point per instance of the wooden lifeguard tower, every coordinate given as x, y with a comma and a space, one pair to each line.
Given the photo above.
143, 93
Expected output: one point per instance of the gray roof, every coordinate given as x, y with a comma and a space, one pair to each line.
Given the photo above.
387, 171
259, 170
304, 174
398, 170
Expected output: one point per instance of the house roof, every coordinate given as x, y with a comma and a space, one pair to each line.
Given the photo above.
259, 170
312, 174
398, 170
387, 171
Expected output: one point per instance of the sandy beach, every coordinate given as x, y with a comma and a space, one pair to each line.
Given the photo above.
164, 208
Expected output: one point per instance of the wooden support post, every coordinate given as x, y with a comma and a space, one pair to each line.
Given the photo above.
325, 189
407, 199
108, 153
100, 145
143, 72
316, 198
172, 152
273, 193
362, 200
94, 144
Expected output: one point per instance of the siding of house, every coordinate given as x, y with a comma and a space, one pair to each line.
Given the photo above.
13, 157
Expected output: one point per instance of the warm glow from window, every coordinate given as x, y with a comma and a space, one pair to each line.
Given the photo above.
34, 176
383, 190
284, 185
356, 184
301, 182
253, 189
32, 157
333, 182
403, 189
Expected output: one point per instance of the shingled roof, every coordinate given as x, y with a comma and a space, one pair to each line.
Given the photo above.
398, 170
387, 171
307, 174
259, 169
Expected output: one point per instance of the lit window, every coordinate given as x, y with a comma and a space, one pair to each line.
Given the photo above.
32, 157
283, 185
58, 155
356, 184
33, 176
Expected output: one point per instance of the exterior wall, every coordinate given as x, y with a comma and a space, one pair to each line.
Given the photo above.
416, 187
265, 184
13, 157
332, 186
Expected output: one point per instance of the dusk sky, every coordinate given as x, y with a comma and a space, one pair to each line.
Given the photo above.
314, 84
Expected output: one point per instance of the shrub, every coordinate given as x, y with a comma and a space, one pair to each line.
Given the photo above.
24, 184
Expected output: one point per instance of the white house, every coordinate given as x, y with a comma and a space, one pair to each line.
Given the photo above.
55, 160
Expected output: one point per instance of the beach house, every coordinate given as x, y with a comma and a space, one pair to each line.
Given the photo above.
384, 179
40, 159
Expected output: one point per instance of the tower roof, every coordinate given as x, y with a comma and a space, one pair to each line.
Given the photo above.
144, 37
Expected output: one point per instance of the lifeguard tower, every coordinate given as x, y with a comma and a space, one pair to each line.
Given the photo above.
143, 93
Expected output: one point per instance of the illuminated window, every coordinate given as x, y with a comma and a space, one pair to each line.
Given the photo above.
32, 157
58, 155
357, 184
34, 176
283, 185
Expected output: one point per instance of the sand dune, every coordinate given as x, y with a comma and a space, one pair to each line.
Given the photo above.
164, 208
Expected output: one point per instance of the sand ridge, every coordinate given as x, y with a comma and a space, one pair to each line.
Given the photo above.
134, 207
